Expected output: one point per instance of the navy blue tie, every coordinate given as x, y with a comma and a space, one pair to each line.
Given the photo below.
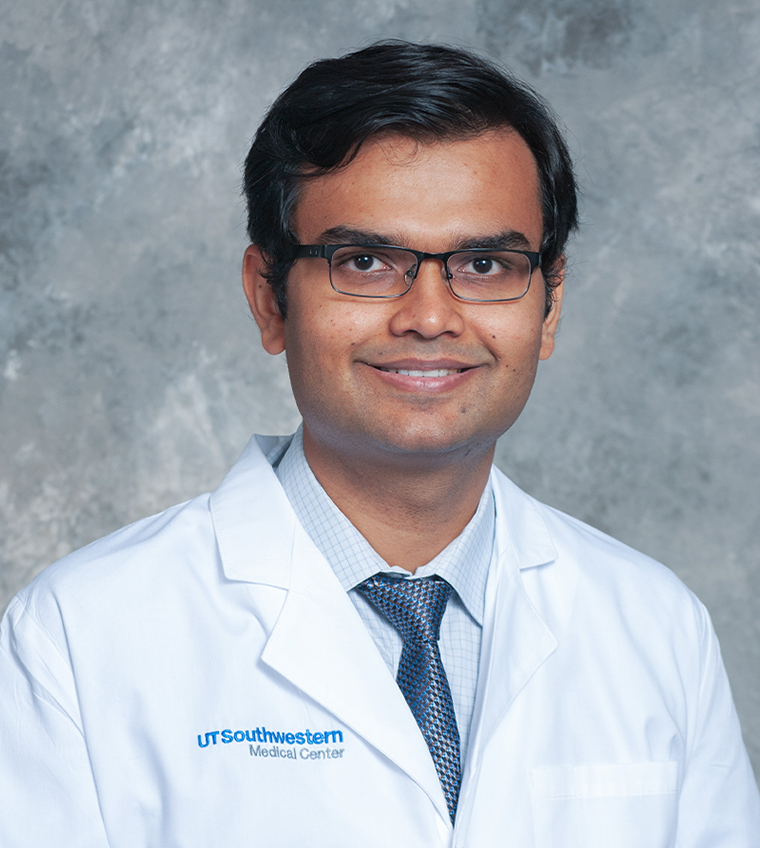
415, 608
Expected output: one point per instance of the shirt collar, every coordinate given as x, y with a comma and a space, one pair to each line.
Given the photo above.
464, 563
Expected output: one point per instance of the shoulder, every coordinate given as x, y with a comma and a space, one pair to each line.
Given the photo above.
139, 553
172, 560
602, 556
163, 548
593, 568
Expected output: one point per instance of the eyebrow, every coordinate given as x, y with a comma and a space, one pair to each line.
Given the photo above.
348, 235
505, 240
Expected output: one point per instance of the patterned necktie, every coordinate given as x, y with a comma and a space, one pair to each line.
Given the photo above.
415, 608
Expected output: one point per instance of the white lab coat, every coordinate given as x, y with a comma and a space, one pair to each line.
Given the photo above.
603, 717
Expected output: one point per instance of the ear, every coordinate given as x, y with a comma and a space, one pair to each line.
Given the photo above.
261, 299
552, 319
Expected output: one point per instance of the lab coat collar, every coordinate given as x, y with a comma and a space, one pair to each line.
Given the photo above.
519, 525
250, 494
253, 547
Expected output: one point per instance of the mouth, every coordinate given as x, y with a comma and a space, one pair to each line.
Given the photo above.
434, 372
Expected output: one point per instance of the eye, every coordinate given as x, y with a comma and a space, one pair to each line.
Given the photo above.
371, 270
483, 265
477, 265
489, 267
359, 260
365, 262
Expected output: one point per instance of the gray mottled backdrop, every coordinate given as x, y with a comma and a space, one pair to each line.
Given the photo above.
131, 374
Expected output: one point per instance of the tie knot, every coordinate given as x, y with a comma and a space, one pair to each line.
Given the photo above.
414, 607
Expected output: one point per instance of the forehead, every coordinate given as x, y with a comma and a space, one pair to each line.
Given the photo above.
430, 193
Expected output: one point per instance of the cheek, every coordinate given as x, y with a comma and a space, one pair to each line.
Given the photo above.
318, 347
328, 330
513, 343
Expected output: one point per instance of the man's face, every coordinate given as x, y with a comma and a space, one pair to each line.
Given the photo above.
345, 354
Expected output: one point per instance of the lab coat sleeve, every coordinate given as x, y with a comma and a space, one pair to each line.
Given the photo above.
719, 804
46, 783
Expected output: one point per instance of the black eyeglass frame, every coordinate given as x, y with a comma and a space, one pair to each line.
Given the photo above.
327, 251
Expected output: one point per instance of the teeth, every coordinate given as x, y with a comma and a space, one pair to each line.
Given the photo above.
437, 372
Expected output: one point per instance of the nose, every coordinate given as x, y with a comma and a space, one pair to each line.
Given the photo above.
428, 309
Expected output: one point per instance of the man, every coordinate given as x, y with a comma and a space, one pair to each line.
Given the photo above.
367, 635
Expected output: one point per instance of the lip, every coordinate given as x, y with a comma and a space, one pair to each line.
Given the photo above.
422, 365
426, 374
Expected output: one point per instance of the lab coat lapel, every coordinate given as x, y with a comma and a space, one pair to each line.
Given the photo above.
322, 647
316, 639
516, 641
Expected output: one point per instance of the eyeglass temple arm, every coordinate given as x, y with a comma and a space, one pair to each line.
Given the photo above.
304, 251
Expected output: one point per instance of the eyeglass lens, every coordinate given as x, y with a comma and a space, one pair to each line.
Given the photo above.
390, 272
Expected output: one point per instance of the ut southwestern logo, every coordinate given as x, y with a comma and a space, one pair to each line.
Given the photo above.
301, 745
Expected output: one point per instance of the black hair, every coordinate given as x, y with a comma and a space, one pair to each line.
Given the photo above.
426, 92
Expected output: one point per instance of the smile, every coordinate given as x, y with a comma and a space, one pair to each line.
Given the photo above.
436, 372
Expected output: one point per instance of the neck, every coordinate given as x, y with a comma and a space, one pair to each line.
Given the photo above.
408, 511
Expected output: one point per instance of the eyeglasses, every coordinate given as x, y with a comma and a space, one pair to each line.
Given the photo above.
384, 271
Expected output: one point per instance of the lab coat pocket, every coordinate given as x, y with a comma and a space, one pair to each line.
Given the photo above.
631, 805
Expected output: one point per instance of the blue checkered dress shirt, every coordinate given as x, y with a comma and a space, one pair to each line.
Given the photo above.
464, 564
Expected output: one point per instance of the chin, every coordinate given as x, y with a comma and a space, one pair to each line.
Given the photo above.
434, 443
